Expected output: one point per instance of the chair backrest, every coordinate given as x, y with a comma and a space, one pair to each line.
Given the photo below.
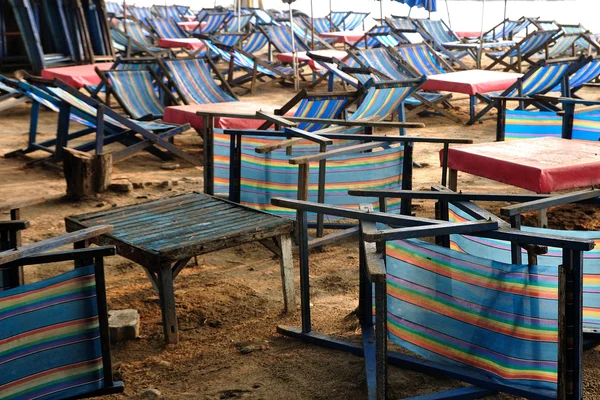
136, 32
545, 25
499, 250
195, 82
353, 20
384, 98
136, 91
142, 14
167, 28
281, 38
401, 24
315, 106
264, 176
52, 345
421, 58
255, 42
382, 36
438, 31
261, 17
522, 124
169, 12
583, 75
382, 61
238, 23
460, 310
541, 79
503, 30
563, 45
337, 18
532, 43
322, 25
211, 22
113, 7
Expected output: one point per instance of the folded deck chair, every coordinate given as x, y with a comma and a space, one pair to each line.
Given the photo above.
383, 61
255, 42
140, 92
211, 22
73, 105
507, 29
141, 14
438, 33
540, 79
255, 69
129, 41
192, 80
54, 332
522, 51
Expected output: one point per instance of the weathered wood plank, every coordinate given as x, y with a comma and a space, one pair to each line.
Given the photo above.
286, 263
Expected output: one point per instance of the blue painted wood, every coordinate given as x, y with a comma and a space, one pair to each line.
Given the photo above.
456, 394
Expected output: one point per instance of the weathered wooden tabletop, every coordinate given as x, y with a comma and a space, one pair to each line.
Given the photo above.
163, 231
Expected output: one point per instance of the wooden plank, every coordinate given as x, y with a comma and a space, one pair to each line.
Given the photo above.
333, 238
53, 243
286, 263
336, 153
25, 202
167, 305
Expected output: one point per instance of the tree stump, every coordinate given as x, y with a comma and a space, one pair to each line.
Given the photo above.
86, 174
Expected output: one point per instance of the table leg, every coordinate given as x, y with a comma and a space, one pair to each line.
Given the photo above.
543, 218
286, 263
167, 304
453, 179
472, 106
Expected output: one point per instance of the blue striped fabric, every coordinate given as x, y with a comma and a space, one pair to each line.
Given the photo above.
242, 61
353, 20
522, 124
238, 23
499, 250
529, 45
261, 17
583, 75
460, 310
337, 18
506, 30
383, 36
122, 39
586, 126
136, 88
381, 101
255, 42
381, 60
113, 7
195, 81
213, 23
401, 24
319, 107
322, 25
229, 40
544, 79
420, 58
50, 338
169, 12
546, 25
271, 175
281, 38
142, 14
136, 32
438, 30
562, 46
167, 29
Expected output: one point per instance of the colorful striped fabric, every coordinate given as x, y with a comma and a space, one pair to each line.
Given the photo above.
381, 60
583, 75
243, 61
255, 42
122, 39
529, 45
50, 338
322, 25
328, 107
238, 23
137, 91
586, 126
438, 30
167, 29
421, 59
522, 124
195, 81
261, 17
382, 100
546, 25
113, 8
498, 319
544, 79
506, 30
169, 12
213, 22
499, 250
562, 45
135, 32
401, 24
281, 39
142, 14
228, 40
271, 175
352, 20
337, 18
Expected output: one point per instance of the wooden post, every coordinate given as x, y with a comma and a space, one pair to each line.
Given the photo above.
78, 171
286, 262
167, 304
102, 169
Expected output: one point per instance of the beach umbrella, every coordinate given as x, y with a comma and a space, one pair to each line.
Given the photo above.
429, 5
294, 55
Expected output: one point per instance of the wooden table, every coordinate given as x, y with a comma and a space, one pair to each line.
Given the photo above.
163, 235
471, 82
77, 76
542, 165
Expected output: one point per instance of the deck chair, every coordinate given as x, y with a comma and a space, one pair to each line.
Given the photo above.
331, 23
406, 285
210, 23
193, 82
255, 69
140, 14
544, 25
167, 29
280, 37
140, 92
378, 36
73, 105
113, 8
387, 66
421, 59
303, 30
130, 46
522, 51
10, 96
507, 29
352, 20
581, 78
172, 12
238, 23
583, 44
540, 79
405, 28
437, 33
55, 348
255, 42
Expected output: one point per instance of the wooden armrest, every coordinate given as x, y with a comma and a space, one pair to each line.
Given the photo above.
276, 119
375, 263
13, 226
267, 148
441, 229
60, 256
313, 137
49, 244
336, 153
552, 201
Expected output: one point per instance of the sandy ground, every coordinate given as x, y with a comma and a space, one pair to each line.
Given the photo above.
232, 298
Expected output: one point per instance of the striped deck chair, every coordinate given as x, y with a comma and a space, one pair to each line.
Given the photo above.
193, 81
422, 60
76, 106
255, 42
167, 29
141, 14
582, 124
261, 17
172, 12
303, 30
10, 95
582, 77
544, 25
211, 22
237, 23
337, 19
54, 332
506, 29
513, 58
352, 20
280, 37
255, 68
522, 124
140, 92
322, 25
540, 79
437, 33
130, 46
113, 8
587, 42
378, 36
